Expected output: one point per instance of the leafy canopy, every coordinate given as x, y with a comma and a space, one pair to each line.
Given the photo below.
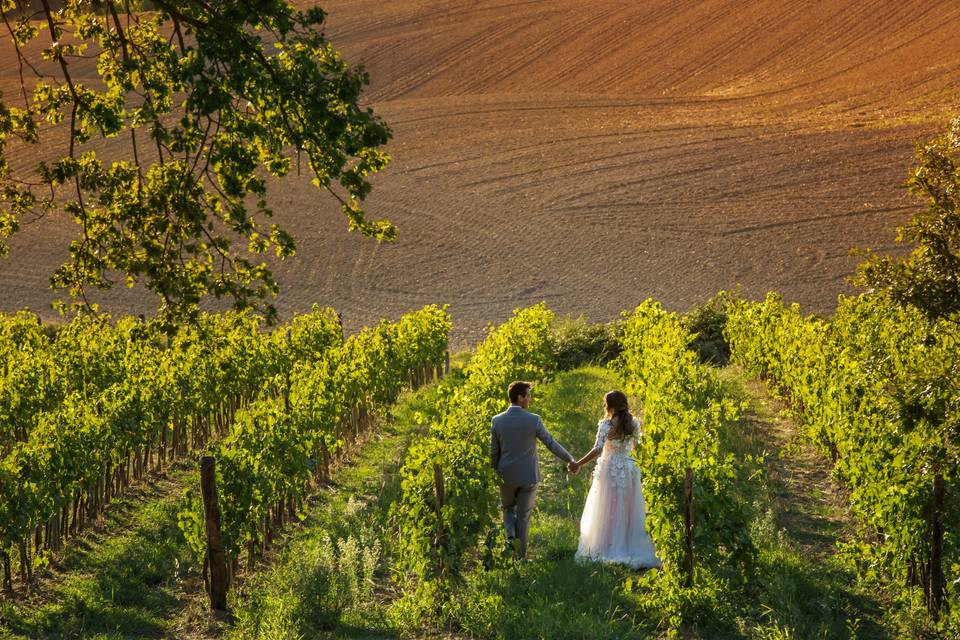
929, 278
214, 97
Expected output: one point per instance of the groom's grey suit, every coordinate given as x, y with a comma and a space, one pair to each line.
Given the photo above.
513, 453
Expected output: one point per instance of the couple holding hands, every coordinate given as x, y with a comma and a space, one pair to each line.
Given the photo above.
613, 524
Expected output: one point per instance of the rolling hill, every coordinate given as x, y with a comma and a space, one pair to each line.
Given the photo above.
592, 154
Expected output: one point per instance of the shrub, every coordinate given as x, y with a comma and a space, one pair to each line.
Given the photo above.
706, 322
578, 342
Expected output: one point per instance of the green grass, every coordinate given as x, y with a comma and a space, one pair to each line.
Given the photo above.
111, 585
333, 577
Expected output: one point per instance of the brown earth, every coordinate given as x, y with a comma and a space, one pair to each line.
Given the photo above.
592, 154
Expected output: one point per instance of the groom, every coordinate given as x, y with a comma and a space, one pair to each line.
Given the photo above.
513, 454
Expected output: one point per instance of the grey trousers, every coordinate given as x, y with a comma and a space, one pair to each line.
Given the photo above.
517, 503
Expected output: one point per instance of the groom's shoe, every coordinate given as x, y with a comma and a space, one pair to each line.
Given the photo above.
514, 547
518, 551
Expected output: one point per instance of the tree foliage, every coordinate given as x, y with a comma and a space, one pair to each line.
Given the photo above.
929, 278
214, 98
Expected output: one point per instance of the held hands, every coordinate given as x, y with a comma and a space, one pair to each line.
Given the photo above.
573, 467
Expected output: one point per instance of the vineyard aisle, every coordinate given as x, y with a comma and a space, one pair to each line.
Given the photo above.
808, 505
553, 596
126, 578
135, 578
807, 514
332, 574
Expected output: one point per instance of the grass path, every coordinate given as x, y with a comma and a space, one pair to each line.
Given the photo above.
551, 595
134, 577
807, 590
124, 579
318, 586
809, 506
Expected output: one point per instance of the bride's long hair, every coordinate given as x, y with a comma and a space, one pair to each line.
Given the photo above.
615, 403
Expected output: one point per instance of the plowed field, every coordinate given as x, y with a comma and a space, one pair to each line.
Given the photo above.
592, 154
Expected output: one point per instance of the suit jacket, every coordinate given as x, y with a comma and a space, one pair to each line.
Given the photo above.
513, 446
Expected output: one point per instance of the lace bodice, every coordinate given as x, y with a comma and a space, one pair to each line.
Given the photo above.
615, 461
612, 446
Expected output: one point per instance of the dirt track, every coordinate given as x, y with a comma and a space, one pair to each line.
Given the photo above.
594, 154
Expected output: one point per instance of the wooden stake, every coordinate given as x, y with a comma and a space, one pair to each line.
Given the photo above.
26, 568
688, 528
935, 574
215, 553
7, 574
326, 459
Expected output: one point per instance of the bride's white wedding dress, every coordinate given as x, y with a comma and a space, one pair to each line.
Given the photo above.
613, 525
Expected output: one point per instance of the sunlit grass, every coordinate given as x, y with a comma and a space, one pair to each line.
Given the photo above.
124, 584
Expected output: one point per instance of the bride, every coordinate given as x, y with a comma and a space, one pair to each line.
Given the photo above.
613, 525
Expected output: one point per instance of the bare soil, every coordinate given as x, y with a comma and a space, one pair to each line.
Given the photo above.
594, 154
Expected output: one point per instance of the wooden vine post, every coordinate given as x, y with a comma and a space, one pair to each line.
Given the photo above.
7, 574
219, 582
688, 528
937, 585
325, 451
440, 542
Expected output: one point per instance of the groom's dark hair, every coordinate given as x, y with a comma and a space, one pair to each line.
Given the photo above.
516, 389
